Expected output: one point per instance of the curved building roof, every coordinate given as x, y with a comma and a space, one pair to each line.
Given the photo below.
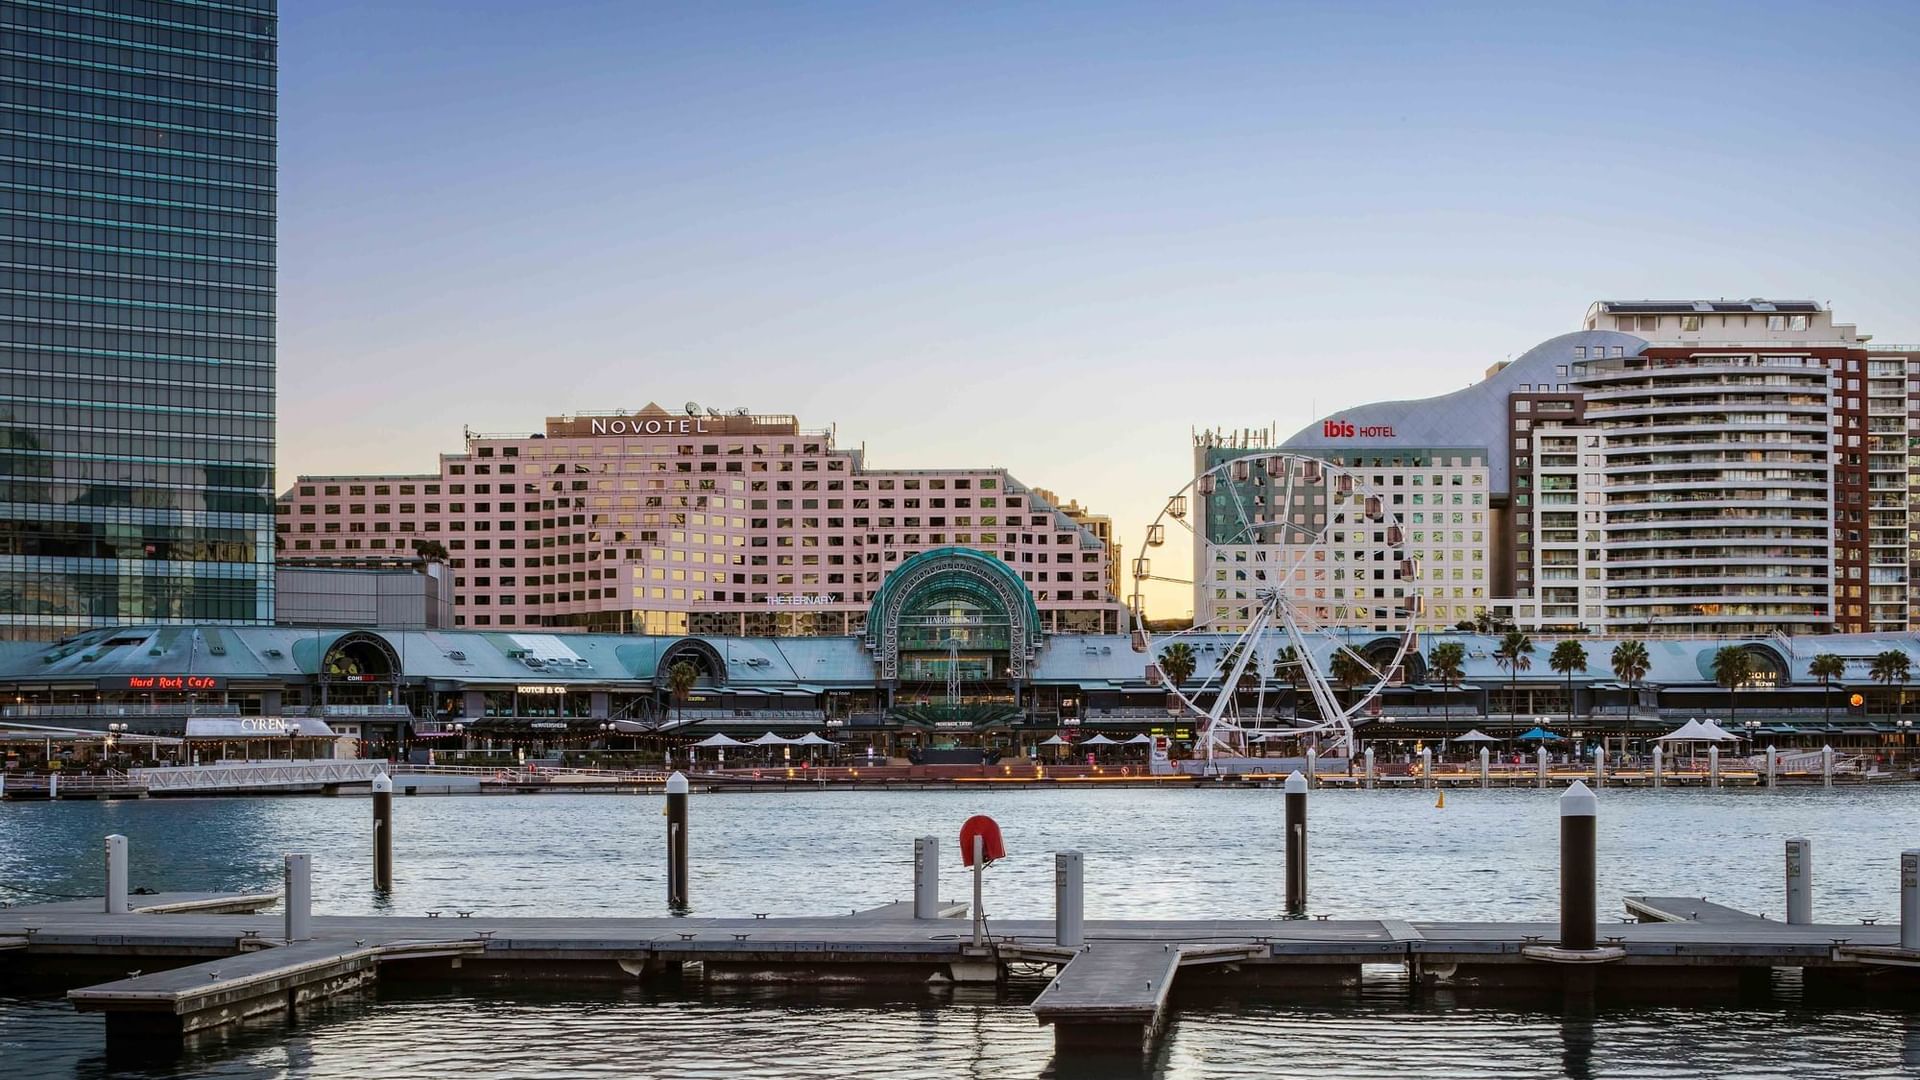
1473, 417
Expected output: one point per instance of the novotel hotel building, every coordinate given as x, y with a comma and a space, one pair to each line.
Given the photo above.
697, 521
1705, 467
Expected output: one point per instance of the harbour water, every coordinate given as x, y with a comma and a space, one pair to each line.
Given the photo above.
1187, 854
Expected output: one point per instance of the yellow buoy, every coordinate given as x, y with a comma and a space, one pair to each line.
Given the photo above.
1441, 802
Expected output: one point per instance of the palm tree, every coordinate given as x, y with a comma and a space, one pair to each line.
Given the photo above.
1232, 657
1447, 665
1568, 657
1630, 665
1732, 665
1891, 666
680, 680
1515, 653
1348, 670
1287, 667
1177, 663
1827, 667
430, 550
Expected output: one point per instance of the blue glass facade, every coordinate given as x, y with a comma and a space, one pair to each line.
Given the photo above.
137, 220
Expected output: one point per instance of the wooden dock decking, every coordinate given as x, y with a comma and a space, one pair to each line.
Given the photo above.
1111, 992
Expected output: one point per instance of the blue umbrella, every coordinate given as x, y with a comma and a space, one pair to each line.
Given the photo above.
1541, 734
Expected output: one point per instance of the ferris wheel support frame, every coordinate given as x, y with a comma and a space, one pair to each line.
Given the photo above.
1223, 729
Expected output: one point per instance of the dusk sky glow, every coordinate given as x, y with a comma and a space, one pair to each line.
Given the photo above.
1056, 239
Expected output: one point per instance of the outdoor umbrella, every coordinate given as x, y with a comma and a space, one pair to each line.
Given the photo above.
1541, 734
1476, 735
1712, 732
1053, 740
1691, 731
718, 740
1140, 738
810, 739
770, 739
1098, 740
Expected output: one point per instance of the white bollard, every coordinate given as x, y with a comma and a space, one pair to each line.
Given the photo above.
116, 874
1485, 756
1540, 756
979, 891
1772, 761
1910, 899
1069, 899
3, 783
299, 897
1313, 767
926, 877
53, 786
1826, 766
1658, 757
1426, 766
1600, 768
1713, 766
1799, 880
1369, 774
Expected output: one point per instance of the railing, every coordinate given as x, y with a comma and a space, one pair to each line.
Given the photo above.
534, 774
103, 708
112, 780
349, 710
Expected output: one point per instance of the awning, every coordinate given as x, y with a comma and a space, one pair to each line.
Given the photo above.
1103, 685
805, 688
256, 727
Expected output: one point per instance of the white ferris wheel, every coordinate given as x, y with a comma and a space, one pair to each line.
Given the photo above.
1307, 602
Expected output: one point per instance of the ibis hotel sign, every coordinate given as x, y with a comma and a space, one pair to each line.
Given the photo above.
1346, 429
164, 684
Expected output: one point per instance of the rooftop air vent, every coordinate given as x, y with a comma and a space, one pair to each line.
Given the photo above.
274, 653
456, 655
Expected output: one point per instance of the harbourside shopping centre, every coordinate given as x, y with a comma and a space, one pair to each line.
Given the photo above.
953, 651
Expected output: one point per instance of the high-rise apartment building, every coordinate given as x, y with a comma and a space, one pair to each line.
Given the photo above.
1681, 467
696, 522
137, 325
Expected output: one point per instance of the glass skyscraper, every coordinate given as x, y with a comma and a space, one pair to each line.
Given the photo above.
137, 219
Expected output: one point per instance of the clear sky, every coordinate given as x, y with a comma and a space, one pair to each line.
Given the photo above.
1053, 237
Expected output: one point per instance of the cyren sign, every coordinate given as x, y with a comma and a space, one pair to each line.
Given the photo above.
1345, 429
166, 684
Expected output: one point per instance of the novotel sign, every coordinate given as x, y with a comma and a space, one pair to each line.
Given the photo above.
655, 425
1345, 429
164, 684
